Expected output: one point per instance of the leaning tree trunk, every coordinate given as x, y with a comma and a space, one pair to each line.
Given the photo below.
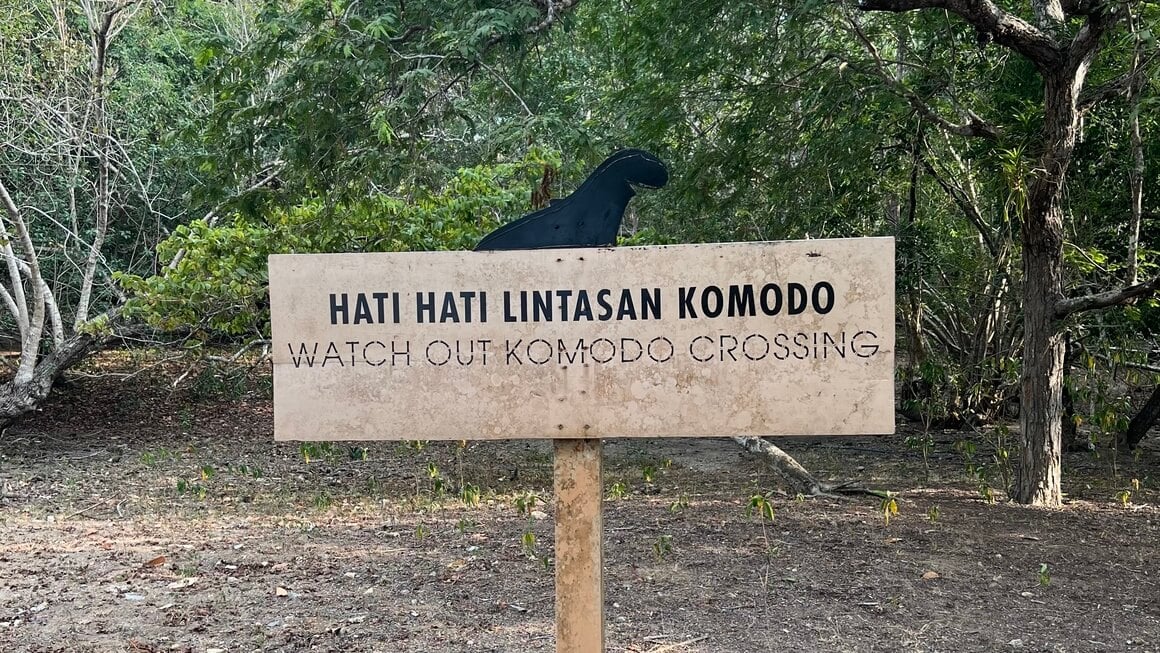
18, 398
1149, 414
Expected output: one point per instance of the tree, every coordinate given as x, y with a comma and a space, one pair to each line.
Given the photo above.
315, 103
958, 136
71, 127
84, 187
1062, 56
1148, 415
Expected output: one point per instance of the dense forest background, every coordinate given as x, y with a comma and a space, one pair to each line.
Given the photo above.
153, 153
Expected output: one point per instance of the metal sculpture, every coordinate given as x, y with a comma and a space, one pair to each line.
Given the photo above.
589, 217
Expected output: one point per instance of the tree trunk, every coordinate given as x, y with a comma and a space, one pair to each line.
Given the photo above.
1037, 478
32, 322
100, 42
16, 399
912, 304
1064, 68
1136, 174
1149, 414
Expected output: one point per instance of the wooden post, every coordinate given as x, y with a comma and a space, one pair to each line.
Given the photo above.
579, 546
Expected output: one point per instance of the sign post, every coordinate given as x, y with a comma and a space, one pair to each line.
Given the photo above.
772, 338
579, 491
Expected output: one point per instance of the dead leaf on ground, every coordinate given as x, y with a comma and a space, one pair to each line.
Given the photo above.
930, 575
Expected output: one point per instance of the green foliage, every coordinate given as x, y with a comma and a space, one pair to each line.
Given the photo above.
150, 458
323, 500
526, 503
217, 382
312, 451
995, 468
1043, 575
438, 484
200, 486
374, 125
346, 97
760, 506
528, 542
925, 444
889, 508
219, 287
51, 148
720, 92
191, 488
618, 490
470, 494
648, 473
1124, 497
662, 547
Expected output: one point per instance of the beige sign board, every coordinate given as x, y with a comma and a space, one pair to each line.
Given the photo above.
768, 338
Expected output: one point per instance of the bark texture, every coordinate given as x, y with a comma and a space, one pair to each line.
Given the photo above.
1039, 473
18, 398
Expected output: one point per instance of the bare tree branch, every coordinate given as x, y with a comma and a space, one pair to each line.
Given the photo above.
964, 197
1096, 301
17, 301
103, 28
30, 337
1136, 174
510, 90
974, 127
551, 13
267, 174
1141, 366
50, 303
1120, 85
1087, 40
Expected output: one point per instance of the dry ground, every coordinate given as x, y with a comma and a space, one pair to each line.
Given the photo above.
135, 517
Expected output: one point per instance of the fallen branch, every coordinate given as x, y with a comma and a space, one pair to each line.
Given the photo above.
799, 478
84, 510
676, 645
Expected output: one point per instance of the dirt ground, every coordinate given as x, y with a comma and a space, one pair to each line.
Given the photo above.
139, 517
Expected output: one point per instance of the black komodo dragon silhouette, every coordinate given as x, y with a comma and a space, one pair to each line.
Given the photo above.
589, 217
